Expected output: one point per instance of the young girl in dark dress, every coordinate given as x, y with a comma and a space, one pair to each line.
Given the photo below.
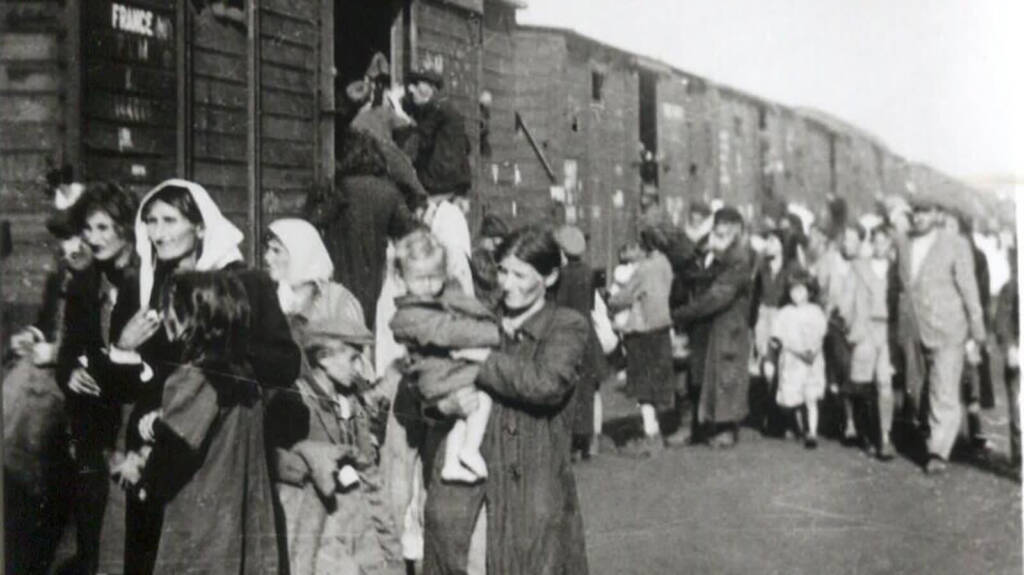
208, 465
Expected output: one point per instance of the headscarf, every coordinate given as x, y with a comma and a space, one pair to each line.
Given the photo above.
219, 244
308, 259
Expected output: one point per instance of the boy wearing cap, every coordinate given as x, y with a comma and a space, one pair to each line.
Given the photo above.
327, 470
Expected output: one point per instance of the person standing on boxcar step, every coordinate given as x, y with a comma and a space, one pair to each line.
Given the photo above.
357, 215
576, 291
442, 163
442, 148
717, 319
937, 279
534, 523
378, 114
647, 340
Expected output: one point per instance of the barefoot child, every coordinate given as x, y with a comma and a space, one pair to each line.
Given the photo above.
435, 318
798, 335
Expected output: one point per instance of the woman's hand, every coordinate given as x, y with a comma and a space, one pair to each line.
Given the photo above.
83, 384
139, 329
460, 403
146, 425
473, 354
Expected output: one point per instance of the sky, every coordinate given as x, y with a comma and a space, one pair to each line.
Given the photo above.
939, 81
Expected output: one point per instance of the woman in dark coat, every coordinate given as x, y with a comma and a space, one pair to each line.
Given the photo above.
534, 525
357, 217
104, 217
179, 228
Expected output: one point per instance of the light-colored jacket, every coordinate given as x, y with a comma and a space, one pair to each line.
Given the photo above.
646, 295
943, 296
864, 299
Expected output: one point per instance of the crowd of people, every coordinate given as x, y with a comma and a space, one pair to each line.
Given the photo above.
380, 390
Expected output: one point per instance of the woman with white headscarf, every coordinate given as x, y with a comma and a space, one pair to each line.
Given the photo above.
180, 228
296, 258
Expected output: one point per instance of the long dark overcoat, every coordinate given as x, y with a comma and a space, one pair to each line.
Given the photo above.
356, 219
534, 524
717, 322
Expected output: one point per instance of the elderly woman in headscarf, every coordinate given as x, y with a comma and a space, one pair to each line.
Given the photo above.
296, 258
180, 228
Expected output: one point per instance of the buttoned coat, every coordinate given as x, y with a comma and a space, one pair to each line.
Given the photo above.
940, 305
534, 524
717, 321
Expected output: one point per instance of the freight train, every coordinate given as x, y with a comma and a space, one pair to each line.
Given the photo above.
239, 95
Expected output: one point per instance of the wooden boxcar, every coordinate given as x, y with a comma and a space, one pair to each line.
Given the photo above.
238, 95
578, 100
685, 151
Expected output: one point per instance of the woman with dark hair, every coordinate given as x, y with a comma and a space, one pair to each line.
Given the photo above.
179, 228
357, 216
208, 466
103, 217
776, 264
534, 525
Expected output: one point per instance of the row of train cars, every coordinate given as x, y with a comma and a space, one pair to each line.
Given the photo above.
240, 95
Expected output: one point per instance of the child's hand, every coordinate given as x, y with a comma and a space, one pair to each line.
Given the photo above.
768, 369
1013, 356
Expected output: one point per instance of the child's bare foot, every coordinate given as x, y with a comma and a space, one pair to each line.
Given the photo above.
458, 474
473, 461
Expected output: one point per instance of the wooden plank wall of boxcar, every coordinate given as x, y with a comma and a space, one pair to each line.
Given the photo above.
815, 160
497, 187
33, 130
858, 171
793, 160
220, 118
685, 143
739, 151
542, 100
608, 166
289, 59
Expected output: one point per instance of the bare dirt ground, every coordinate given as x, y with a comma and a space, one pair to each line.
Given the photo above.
770, 506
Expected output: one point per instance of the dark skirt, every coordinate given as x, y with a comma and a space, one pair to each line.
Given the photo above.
593, 371
650, 377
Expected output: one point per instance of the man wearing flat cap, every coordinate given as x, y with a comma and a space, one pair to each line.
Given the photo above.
940, 318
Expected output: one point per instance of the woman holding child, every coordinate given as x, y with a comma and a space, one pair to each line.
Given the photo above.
534, 524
